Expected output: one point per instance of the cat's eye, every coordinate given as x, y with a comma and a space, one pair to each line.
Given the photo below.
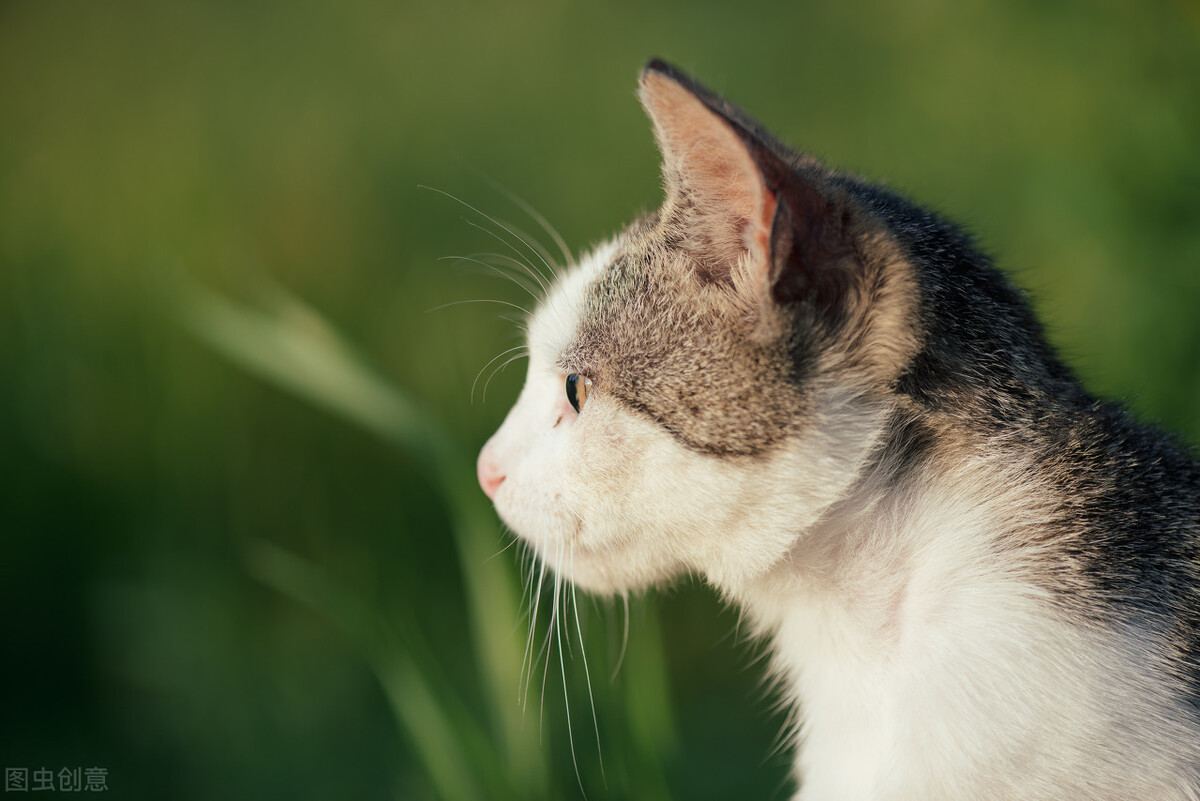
578, 389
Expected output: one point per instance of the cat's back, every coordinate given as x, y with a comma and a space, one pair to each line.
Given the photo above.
1106, 507
1133, 493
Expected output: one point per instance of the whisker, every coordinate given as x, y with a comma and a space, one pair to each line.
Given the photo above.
518, 323
494, 221
495, 358
479, 300
532, 617
559, 242
511, 543
518, 264
548, 648
519, 282
566, 611
527, 573
540, 250
557, 630
533, 267
536, 600
587, 673
624, 638
495, 372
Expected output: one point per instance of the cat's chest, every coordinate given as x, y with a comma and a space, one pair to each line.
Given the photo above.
844, 681
894, 675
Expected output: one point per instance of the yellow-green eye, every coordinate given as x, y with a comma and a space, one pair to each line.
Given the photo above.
578, 389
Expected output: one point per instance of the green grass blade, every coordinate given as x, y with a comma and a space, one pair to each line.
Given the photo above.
421, 713
290, 345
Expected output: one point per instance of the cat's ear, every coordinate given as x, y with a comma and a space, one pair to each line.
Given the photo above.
713, 185
741, 205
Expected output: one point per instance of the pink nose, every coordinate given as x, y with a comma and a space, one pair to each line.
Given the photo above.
490, 474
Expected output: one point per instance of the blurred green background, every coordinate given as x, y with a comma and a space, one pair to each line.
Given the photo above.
239, 560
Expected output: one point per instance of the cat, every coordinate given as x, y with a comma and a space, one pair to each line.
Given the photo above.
977, 580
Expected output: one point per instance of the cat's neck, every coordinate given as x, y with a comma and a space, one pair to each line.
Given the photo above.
862, 610
915, 616
903, 551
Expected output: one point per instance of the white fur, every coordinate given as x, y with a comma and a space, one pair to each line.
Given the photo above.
930, 666
906, 622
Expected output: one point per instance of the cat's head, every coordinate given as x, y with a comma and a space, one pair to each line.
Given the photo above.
702, 388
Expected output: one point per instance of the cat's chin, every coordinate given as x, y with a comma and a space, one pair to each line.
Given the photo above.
605, 572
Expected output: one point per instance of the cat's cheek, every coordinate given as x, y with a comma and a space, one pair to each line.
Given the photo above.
611, 550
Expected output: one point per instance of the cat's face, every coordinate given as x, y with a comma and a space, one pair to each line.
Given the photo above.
729, 376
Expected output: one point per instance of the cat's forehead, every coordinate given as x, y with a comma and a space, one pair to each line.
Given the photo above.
555, 322
627, 296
